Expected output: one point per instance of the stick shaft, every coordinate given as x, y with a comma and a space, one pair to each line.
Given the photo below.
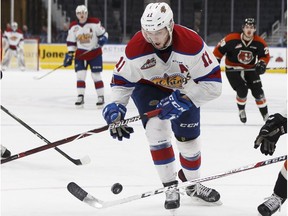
79, 136
75, 161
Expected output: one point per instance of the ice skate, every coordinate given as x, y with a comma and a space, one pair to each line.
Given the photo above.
22, 68
172, 201
242, 116
271, 205
100, 102
265, 117
80, 101
5, 153
203, 195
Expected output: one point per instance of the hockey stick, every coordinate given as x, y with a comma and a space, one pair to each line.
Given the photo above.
253, 69
44, 75
87, 198
82, 161
82, 135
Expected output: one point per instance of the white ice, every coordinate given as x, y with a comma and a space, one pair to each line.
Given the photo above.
36, 185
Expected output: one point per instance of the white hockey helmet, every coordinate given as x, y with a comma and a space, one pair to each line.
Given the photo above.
14, 26
81, 8
157, 16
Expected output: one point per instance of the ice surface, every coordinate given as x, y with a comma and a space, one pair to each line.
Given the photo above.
36, 185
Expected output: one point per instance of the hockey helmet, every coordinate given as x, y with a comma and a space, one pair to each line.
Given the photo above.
81, 8
249, 21
14, 26
157, 16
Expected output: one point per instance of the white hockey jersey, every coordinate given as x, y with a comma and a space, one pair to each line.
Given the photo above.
192, 68
84, 37
14, 39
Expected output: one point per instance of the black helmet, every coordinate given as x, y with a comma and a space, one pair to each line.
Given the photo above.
249, 21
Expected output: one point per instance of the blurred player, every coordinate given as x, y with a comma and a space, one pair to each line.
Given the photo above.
245, 50
13, 42
168, 67
85, 39
275, 126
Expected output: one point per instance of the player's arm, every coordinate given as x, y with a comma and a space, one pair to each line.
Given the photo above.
263, 56
71, 46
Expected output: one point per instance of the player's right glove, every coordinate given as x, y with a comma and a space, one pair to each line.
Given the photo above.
260, 67
115, 112
68, 59
275, 126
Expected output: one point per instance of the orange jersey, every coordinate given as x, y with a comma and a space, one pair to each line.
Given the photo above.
240, 53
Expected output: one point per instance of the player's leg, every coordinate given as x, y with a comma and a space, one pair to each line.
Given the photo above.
21, 59
255, 84
238, 83
81, 71
158, 133
96, 66
279, 196
6, 59
186, 130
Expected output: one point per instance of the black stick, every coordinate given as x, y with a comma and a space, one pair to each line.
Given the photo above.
81, 135
82, 161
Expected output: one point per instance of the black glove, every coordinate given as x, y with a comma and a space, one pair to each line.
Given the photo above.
275, 126
68, 59
260, 67
115, 112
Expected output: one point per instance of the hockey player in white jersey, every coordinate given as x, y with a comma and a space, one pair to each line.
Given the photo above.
13, 41
169, 67
85, 39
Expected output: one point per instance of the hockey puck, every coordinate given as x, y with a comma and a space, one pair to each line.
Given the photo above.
116, 188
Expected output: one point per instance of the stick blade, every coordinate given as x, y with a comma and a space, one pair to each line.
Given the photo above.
77, 191
85, 160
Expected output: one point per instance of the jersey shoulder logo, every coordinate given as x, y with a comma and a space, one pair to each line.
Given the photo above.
149, 63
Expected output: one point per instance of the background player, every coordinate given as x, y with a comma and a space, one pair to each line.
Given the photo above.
245, 50
86, 37
169, 67
13, 42
275, 126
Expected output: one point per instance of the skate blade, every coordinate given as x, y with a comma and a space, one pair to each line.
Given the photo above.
173, 212
199, 202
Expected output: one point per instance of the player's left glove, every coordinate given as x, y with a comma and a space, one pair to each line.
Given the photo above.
275, 126
115, 112
68, 59
102, 40
173, 106
260, 67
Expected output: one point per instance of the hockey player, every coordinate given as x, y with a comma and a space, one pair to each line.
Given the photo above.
85, 39
5, 152
245, 50
169, 67
14, 41
275, 126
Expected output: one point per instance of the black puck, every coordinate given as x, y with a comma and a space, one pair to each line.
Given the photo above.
116, 188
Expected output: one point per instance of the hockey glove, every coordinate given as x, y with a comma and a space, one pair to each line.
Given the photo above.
173, 106
113, 113
275, 126
260, 67
68, 59
102, 40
